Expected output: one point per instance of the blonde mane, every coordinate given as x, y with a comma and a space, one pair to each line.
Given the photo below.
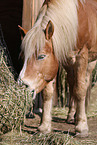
63, 14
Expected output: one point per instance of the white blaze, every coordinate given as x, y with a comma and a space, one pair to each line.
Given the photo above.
21, 75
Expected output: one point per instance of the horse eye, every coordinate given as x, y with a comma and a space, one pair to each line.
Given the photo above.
41, 56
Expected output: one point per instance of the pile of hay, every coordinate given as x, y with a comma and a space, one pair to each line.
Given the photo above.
14, 100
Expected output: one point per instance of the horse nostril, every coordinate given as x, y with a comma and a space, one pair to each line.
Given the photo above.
21, 83
26, 85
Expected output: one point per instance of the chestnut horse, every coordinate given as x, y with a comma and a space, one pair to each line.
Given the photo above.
64, 33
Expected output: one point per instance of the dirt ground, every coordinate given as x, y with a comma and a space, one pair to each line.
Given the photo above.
59, 123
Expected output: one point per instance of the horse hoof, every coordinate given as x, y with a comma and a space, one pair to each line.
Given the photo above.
84, 133
81, 129
44, 129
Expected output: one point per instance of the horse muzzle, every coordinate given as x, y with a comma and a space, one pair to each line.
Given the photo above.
21, 83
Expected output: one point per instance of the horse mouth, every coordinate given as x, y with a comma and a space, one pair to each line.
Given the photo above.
34, 87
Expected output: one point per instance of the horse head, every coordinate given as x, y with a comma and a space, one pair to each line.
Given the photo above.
41, 68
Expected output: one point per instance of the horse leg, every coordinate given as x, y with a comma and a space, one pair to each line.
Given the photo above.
72, 110
80, 92
45, 126
72, 101
90, 68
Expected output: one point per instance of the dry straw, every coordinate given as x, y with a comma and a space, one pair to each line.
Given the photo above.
14, 100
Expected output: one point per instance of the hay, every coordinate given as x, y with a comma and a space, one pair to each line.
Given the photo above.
59, 138
14, 100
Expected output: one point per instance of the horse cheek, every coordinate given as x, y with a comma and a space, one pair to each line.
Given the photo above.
51, 70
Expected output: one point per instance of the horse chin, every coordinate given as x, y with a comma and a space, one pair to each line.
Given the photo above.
38, 89
36, 86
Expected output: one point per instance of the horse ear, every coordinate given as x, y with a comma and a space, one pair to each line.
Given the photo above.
22, 32
49, 30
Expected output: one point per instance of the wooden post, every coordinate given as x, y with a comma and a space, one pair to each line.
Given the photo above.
30, 12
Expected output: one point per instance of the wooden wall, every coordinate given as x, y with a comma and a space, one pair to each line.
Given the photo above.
10, 18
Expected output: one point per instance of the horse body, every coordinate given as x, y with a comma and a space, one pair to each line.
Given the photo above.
65, 32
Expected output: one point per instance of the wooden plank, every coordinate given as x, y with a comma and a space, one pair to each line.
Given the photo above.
33, 9
26, 18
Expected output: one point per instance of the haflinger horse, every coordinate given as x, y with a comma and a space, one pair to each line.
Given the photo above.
65, 33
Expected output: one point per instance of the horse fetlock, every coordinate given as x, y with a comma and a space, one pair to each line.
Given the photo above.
45, 128
71, 117
81, 129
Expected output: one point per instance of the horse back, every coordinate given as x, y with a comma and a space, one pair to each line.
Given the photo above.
87, 24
